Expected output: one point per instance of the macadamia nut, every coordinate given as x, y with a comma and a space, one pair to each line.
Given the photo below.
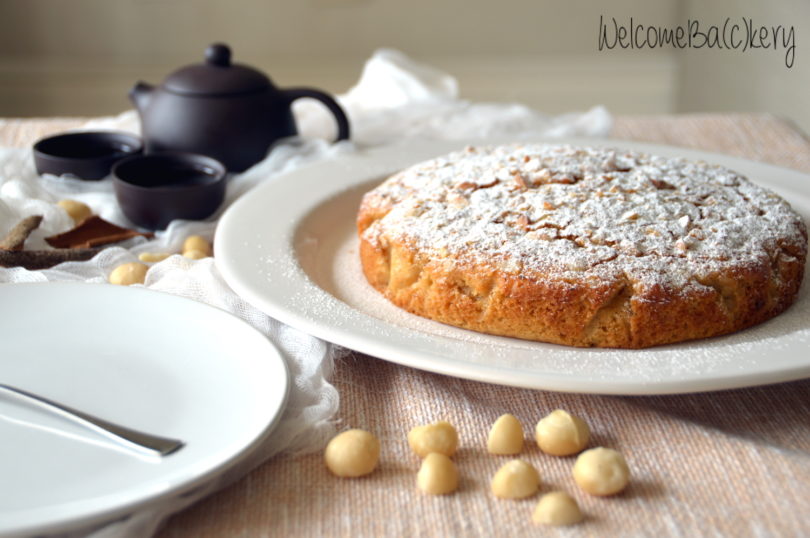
557, 508
352, 453
505, 436
516, 479
438, 437
153, 257
601, 471
196, 242
128, 274
76, 210
561, 433
194, 254
437, 475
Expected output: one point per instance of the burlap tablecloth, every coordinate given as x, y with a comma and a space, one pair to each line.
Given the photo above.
732, 463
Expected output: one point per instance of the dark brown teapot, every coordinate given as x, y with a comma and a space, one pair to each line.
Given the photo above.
230, 112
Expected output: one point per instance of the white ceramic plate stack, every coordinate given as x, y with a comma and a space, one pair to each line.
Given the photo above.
146, 360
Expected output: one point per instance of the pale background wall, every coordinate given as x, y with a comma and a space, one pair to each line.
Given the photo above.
79, 57
758, 80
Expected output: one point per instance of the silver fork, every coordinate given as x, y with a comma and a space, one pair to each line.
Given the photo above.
162, 445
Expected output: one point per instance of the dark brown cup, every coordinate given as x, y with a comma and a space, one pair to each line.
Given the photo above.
84, 154
152, 190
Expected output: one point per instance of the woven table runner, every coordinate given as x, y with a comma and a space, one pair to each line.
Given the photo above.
730, 463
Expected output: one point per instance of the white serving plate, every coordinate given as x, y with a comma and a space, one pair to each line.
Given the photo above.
144, 359
289, 247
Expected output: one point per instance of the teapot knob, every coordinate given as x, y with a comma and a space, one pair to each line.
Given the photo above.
218, 54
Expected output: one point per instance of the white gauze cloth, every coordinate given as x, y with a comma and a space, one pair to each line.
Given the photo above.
395, 99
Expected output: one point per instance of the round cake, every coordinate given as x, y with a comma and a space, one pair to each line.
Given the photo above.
581, 246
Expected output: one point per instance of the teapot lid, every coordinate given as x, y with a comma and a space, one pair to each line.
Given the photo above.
217, 76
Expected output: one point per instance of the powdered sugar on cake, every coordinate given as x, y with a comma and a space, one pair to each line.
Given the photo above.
585, 213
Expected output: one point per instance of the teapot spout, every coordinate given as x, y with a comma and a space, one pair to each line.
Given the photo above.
140, 95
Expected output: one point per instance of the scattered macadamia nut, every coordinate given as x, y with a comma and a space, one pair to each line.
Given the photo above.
352, 453
196, 242
438, 437
153, 257
76, 210
516, 479
505, 436
437, 475
561, 433
128, 274
557, 508
601, 471
194, 254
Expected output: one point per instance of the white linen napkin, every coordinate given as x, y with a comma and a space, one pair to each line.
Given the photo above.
395, 98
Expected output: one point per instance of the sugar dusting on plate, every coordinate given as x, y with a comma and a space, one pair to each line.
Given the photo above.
743, 350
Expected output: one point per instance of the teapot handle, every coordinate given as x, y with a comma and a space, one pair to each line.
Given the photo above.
342, 121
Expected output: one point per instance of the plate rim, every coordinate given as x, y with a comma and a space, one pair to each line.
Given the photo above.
362, 163
116, 504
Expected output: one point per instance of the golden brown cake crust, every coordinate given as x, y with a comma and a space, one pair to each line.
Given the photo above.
581, 246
